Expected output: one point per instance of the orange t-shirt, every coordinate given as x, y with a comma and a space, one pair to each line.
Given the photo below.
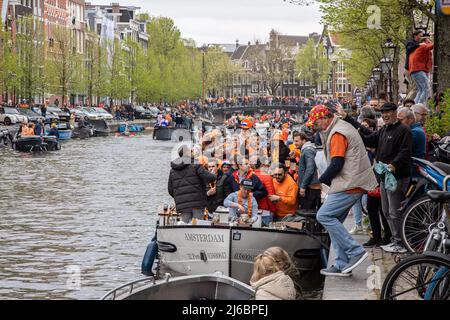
338, 148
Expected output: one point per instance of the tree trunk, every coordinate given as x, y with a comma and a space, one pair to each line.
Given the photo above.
442, 53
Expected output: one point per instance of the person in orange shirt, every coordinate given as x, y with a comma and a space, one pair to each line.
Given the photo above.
286, 191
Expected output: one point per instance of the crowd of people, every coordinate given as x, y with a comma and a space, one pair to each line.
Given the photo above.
278, 171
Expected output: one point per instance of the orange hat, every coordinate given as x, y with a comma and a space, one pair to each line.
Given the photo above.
317, 112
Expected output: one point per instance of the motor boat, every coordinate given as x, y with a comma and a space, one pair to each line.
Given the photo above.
65, 134
101, 128
231, 249
36, 144
163, 133
198, 287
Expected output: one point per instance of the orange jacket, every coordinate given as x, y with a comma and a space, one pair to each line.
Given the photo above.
288, 191
265, 203
421, 59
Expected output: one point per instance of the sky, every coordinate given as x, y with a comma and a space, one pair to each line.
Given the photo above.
225, 21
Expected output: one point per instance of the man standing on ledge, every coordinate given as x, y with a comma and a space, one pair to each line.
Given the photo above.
349, 174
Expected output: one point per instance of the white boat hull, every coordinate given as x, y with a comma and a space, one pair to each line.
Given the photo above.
194, 250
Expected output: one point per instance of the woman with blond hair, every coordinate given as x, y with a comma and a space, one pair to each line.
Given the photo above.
269, 281
286, 265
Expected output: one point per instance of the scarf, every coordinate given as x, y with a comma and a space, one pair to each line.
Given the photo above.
250, 195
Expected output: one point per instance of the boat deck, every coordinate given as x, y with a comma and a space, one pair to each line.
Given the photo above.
356, 287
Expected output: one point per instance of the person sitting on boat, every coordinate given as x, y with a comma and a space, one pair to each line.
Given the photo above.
54, 130
285, 197
242, 203
285, 264
39, 128
269, 281
28, 130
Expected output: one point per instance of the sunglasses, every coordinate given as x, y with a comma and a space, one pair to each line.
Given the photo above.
277, 175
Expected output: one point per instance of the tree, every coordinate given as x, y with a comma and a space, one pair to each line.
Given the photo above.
273, 63
219, 70
10, 71
312, 63
31, 50
65, 64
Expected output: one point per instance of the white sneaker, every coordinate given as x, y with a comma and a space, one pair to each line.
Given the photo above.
387, 246
396, 249
356, 230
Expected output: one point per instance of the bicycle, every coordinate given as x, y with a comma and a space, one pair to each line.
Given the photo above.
425, 276
420, 218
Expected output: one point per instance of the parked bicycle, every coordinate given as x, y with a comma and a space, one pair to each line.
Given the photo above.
425, 276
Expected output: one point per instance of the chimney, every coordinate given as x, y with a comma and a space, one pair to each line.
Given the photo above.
237, 44
249, 43
115, 7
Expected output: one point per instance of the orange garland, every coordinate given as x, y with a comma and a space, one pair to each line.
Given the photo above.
250, 195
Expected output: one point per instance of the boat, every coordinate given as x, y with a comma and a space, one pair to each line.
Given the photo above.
131, 128
5, 135
65, 134
232, 249
36, 144
163, 133
82, 133
199, 287
101, 128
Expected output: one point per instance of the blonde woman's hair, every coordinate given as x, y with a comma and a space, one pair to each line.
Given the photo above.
264, 266
285, 264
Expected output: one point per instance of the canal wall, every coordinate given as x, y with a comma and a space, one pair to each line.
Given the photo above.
366, 280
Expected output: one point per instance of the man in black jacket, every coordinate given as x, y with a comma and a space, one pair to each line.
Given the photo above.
394, 146
187, 185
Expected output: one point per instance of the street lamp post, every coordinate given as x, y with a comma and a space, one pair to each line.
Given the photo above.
204, 48
387, 63
376, 73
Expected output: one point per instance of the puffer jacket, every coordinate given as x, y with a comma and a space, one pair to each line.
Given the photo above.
277, 286
187, 185
307, 169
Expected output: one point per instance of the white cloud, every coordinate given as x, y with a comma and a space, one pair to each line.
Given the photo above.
224, 21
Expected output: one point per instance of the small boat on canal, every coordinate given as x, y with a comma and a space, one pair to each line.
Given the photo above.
65, 134
231, 249
36, 144
101, 128
163, 133
199, 287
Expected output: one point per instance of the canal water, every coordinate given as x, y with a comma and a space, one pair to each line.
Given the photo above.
87, 210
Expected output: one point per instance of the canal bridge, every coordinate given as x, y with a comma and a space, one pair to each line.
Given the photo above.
222, 113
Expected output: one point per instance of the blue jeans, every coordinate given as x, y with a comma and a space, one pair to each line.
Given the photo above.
421, 80
266, 220
357, 213
332, 215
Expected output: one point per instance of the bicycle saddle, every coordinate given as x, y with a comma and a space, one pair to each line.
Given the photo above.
439, 196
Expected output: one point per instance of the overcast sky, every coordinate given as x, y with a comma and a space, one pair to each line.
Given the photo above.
225, 21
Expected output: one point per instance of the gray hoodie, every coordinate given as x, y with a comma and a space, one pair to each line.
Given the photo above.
307, 169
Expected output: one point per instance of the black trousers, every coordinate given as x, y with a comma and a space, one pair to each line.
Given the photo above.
377, 219
312, 200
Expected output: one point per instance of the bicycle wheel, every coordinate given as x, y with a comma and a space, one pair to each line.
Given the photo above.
413, 277
416, 222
